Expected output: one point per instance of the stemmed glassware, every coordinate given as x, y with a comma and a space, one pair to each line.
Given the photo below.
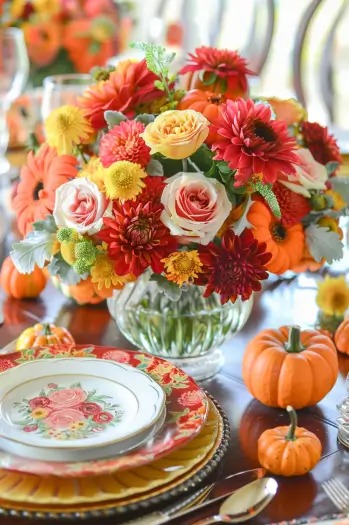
60, 90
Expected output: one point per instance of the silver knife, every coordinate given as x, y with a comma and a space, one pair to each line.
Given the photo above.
212, 493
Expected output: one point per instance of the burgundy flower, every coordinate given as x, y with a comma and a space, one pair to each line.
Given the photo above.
103, 417
88, 409
137, 238
235, 268
254, 144
39, 402
321, 144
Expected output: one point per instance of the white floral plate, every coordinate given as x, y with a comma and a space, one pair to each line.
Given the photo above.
77, 410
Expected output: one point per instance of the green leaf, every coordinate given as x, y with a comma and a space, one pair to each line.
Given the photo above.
160, 85
341, 186
113, 118
155, 168
60, 268
171, 290
36, 248
323, 243
331, 167
47, 225
207, 77
269, 196
224, 168
145, 118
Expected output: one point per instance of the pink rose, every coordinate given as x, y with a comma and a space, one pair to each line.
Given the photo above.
39, 402
80, 205
310, 175
195, 207
67, 397
103, 417
30, 428
188, 399
117, 355
52, 385
62, 419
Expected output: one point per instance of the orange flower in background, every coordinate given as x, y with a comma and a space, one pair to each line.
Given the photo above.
285, 243
40, 178
43, 41
290, 110
89, 43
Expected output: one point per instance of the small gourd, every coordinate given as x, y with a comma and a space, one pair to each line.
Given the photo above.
43, 335
341, 337
21, 286
289, 451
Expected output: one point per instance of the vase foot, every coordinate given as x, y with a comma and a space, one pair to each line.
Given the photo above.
201, 367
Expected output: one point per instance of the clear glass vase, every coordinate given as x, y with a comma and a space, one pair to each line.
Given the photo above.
187, 332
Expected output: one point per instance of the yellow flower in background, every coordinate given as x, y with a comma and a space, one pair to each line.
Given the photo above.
95, 172
182, 267
333, 295
66, 128
123, 180
103, 274
17, 8
338, 202
176, 134
46, 7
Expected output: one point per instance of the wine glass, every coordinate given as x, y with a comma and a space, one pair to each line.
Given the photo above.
14, 71
60, 90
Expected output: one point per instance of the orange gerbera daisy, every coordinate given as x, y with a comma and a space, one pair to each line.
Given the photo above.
130, 85
43, 41
40, 178
285, 243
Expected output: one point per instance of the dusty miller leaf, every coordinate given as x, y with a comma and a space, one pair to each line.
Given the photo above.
331, 167
145, 118
269, 196
171, 290
323, 244
341, 186
36, 248
113, 118
155, 168
60, 268
47, 225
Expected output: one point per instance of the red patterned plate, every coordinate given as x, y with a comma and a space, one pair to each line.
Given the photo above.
186, 410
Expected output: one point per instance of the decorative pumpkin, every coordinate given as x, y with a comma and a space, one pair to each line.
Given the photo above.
43, 334
85, 292
207, 103
285, 243
288, 366
307, 263
289, 451
341, 337
21, 286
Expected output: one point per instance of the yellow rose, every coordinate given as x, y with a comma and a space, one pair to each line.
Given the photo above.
176, 134
290, 110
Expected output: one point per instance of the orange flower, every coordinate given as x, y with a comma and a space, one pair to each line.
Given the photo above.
43, 41
290, 111
40, 178
286, 244
86, 46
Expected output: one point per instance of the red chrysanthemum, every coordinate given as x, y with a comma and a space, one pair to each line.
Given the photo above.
225, 64
124, 143
235, 268
137, 238
294, 207
154, 186
254, 144
321, 144
130, 85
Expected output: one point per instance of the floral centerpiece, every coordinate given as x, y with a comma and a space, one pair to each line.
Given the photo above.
68, 36
206, 187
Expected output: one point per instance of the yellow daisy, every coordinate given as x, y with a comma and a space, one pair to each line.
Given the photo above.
182, 267
39, 413
123, 180
66, 128
103, 274
333, 295
95, 172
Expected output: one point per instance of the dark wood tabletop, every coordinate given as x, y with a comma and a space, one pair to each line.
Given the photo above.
283, 301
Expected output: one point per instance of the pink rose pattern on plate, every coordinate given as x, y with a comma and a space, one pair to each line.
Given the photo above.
67, 413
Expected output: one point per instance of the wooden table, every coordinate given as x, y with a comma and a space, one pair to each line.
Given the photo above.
283, 301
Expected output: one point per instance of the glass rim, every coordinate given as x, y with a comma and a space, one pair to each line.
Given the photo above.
56, 79
11, 30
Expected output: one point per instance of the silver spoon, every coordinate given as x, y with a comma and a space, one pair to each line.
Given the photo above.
244, 503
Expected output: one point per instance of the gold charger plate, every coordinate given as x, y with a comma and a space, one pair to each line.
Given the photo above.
139, 488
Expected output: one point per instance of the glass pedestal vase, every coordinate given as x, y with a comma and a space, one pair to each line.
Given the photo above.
188, 332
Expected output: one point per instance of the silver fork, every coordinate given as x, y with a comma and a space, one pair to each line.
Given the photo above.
338, 494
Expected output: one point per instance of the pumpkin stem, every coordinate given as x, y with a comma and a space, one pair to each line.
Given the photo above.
47, 329
294, 344
291, 431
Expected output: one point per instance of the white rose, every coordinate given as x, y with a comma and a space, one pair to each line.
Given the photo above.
311, 175
80, 205
195, 207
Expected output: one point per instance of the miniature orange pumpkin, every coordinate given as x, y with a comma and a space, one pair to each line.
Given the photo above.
21, 286
42, 335
285, 243
341, 337
307, 263
288, 366
289, 451
207, 103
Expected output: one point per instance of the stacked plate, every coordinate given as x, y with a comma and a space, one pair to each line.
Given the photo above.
94, 431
